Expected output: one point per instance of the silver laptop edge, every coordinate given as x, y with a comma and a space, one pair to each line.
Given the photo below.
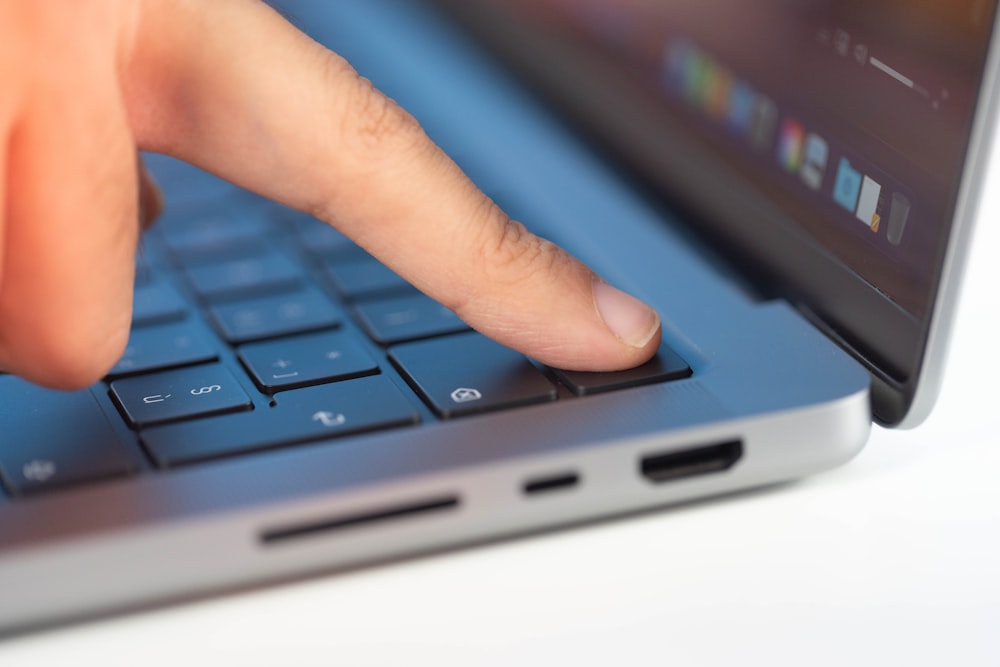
970, 193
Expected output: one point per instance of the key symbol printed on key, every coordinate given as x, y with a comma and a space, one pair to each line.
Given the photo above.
466, 395
39, 470
206, 390
329, 419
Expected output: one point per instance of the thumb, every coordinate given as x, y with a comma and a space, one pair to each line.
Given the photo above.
262, 105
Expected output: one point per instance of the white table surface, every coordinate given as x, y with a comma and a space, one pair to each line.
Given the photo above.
893, 559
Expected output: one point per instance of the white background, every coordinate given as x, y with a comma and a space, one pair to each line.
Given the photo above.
893, 559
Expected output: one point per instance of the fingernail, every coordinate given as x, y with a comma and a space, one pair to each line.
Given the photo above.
632, 321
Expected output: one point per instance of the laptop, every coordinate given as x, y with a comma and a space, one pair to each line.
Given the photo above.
791, 185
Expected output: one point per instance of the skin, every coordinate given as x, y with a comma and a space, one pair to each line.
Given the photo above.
230, 86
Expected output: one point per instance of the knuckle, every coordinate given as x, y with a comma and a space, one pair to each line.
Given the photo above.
512, 255
372, 124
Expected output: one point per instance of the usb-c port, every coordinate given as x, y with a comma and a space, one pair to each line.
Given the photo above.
671, 466
560, 482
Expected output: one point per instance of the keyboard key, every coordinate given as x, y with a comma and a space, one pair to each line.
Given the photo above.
156, 301
300, 416
271, 272
214, 229
665, 366
180, 394
469, 373
289, 363
188, 187
322, 241
192, 246
222, 249
280, 315
365, 278
163, 346
406, 318
53, 438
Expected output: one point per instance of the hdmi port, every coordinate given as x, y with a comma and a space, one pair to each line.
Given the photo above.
659, 468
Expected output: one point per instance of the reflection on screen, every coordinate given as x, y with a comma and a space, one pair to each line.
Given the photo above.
854, 114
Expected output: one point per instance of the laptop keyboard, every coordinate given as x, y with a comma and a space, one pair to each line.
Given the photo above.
256, 327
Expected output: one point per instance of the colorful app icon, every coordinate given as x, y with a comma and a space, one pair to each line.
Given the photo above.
764, 121
899, 212
814, 161
847, 185
696, 75
719, 87
741, 107
675, 65
868, 203
790, 144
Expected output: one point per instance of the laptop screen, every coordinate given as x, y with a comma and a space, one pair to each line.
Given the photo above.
823, 140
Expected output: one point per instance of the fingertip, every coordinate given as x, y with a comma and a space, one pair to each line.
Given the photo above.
624, 332
67, 358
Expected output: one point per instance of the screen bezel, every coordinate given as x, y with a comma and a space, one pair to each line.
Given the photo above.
903, 353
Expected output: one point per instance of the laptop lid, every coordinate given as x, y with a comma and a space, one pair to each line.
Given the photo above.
834, 150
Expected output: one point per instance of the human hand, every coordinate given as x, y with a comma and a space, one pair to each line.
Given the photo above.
231, 87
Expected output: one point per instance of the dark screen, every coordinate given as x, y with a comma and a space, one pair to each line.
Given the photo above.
852, 116
819, 145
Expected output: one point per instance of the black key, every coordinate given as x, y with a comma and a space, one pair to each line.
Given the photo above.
303, 415
54, 438
180, 394
271, 272
154, 302
203, 245
305, 360
323, 241
468, 373
226, 227
665, 366
406, 318
188, 187
280, 315
163, 346
223, 250
365, 278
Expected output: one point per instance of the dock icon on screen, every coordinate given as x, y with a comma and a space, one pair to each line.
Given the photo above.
867, 211
847, 185
814, 161
899, 212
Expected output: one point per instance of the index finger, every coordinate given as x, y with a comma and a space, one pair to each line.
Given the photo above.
232, 87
